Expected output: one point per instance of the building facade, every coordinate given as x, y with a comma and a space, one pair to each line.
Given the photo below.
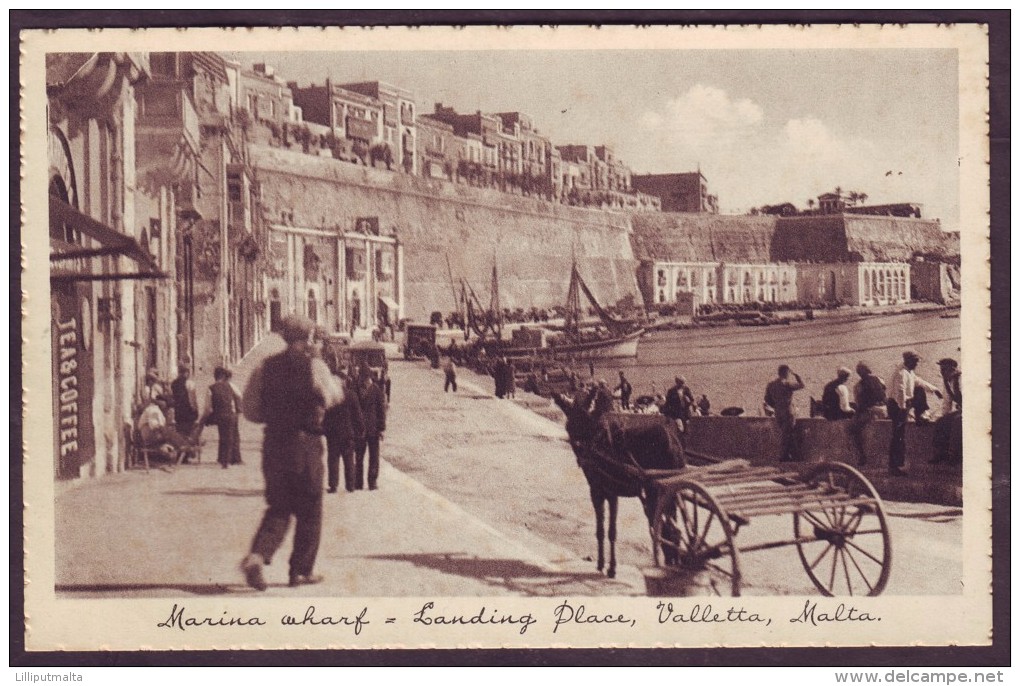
712, 283
112, 227
346, 281
680, 192
399, 132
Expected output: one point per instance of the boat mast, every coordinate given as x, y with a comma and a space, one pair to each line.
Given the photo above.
494, 305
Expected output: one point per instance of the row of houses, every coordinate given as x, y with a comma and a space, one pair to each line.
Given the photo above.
157, 244
378, 124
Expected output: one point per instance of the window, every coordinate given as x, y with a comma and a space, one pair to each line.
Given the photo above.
235, 187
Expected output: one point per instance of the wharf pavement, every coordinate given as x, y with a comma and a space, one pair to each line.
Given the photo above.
184, 531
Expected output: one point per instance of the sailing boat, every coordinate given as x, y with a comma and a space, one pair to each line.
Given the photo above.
609, 338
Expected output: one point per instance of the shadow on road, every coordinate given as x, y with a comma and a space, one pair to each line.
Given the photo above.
511, 575
194, 589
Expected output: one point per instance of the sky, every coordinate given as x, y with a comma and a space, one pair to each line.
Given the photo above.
764, 126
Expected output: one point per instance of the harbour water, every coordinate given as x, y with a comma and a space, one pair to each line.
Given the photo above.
732, 364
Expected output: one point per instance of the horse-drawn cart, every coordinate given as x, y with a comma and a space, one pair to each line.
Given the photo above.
839, 524
696, 511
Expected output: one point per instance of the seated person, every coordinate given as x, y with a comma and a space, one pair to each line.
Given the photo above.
154, 430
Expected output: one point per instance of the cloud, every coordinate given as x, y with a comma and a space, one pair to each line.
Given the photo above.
751, 161
706, 116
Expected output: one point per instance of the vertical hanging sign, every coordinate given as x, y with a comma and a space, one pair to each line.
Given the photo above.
74, 440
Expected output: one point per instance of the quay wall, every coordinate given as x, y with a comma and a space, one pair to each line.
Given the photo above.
757, 439
439, 223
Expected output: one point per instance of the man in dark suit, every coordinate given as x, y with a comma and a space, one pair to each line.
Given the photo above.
290, 393
679, 400
344, 429
223, 406
373, 410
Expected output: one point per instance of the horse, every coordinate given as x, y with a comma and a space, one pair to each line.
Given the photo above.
613, 451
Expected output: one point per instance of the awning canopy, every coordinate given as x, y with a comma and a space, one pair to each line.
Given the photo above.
106, 242
389, 302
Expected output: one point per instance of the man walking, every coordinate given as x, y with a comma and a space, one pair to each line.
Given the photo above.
902, 387
869, 394
836, 397
779, 397
222, 406
450, 371
625, 390
290, 393
373, 408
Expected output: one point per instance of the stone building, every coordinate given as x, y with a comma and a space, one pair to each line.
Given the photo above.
438, 149
347, 279
679, 192
398, 120
483, 137
225, 245
264, 95
121, 147
847, 259
350, 115
717, 259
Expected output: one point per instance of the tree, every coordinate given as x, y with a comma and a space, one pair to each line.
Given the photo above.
863, 197
811, 204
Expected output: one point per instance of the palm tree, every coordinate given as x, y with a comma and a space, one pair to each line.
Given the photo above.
811, 204
863, 197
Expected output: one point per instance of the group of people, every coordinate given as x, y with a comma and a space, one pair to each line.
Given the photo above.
505, 376
904, 397
300, 399
170, 416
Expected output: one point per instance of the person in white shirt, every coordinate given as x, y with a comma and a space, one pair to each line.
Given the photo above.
903, 385
154, 430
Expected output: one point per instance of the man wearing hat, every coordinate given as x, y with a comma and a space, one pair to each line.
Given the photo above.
290, 393
948, 438
836, 397
903, 386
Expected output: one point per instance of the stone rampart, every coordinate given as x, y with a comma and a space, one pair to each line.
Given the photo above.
531, 240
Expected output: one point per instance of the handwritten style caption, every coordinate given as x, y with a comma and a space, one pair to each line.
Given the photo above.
561, 618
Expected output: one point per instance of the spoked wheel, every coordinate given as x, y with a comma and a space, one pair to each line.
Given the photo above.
844, 547
692, 533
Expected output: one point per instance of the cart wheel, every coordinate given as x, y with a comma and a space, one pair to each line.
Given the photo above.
690, 531
844, 549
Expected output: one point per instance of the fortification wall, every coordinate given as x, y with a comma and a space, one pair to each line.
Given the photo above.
531, 240
690, 237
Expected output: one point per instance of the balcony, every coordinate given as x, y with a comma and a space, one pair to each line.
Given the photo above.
166, 116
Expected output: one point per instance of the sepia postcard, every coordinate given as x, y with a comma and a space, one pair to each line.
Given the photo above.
506, 337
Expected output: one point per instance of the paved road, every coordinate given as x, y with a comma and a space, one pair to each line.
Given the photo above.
478, 497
